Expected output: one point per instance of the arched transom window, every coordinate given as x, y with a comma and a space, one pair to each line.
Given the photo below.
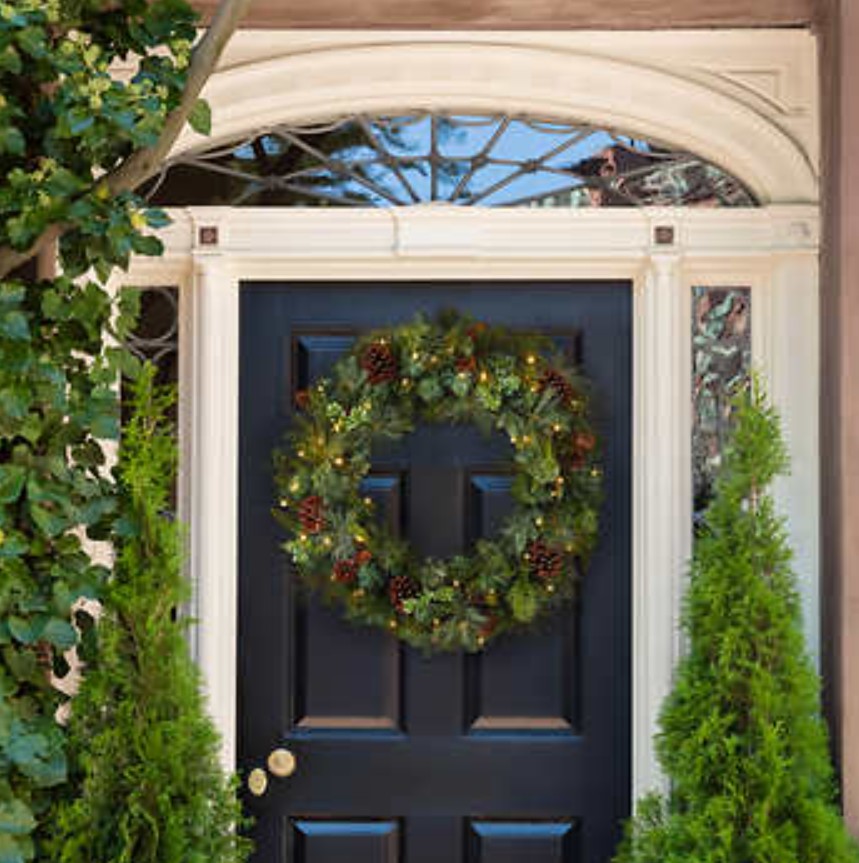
460, 159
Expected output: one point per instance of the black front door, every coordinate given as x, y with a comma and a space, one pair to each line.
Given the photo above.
520, 755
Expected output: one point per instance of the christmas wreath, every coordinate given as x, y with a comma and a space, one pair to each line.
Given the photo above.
451, 370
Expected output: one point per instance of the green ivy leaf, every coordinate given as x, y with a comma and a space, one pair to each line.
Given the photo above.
12, 141
12, 545
32, 40
22, 663
23, 629
12, 293
147, 245
14, 849
79, 121
200, 118
105, 426
10, 60
16, 818
49, 522
12, 479
14, 402
157, 218
60, 633
38, 758
13, 325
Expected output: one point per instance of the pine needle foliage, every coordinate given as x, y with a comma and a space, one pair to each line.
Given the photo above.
742, 740
151, 787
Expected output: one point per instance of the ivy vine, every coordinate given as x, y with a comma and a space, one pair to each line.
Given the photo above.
66, 121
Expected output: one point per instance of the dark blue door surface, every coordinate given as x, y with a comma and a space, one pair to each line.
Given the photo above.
519, 755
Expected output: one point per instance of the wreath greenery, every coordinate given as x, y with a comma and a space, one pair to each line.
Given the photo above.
451, 370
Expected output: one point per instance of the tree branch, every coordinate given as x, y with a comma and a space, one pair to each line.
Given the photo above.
143, 164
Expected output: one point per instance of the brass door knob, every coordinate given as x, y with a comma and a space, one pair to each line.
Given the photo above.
257, 782
281, 763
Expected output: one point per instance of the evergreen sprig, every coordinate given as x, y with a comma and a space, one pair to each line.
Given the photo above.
145, 753
742, 740
451, 370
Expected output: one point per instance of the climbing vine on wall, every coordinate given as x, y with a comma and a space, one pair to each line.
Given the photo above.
66, 122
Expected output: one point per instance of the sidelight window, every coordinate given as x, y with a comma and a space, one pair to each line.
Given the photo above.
721, 362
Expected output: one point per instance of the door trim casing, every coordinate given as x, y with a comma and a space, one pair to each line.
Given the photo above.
772, 250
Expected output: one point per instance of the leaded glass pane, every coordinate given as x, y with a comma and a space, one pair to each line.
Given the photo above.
721, 359
156, 335
460, 159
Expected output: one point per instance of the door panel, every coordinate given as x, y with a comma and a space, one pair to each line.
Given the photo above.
512, 842
518, 755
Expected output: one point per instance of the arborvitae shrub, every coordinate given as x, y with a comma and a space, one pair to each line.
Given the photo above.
742, 741
151, 786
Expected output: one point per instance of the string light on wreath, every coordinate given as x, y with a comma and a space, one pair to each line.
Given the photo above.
451, 370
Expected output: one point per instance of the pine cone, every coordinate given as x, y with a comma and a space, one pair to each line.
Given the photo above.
584, 442
379, 362
401, 588
345, 571
554, 380
544, 561
310, 514
487, 630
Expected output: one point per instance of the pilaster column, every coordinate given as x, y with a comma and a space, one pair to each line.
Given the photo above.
663, 498
790, 357
214, 481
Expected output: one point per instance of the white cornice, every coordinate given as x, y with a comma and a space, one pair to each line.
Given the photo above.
491, 234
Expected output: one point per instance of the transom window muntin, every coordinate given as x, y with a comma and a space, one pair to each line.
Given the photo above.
462, 159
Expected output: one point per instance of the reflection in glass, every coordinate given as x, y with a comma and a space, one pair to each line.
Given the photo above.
721, 362
156, 335
465, 160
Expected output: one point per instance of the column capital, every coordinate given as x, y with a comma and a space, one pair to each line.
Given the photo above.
665, 263
211, 266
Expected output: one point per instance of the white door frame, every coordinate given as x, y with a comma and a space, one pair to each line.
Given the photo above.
745, 100
772, 250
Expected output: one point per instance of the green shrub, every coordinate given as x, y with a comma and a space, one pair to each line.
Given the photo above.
145, 753
742, 741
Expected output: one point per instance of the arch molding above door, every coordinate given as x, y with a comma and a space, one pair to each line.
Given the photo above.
750, 129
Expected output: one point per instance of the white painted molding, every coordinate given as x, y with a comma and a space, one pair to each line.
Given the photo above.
214, 485
675, 106
662, 516
793, 372
772, 250
267, 235
772, 71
